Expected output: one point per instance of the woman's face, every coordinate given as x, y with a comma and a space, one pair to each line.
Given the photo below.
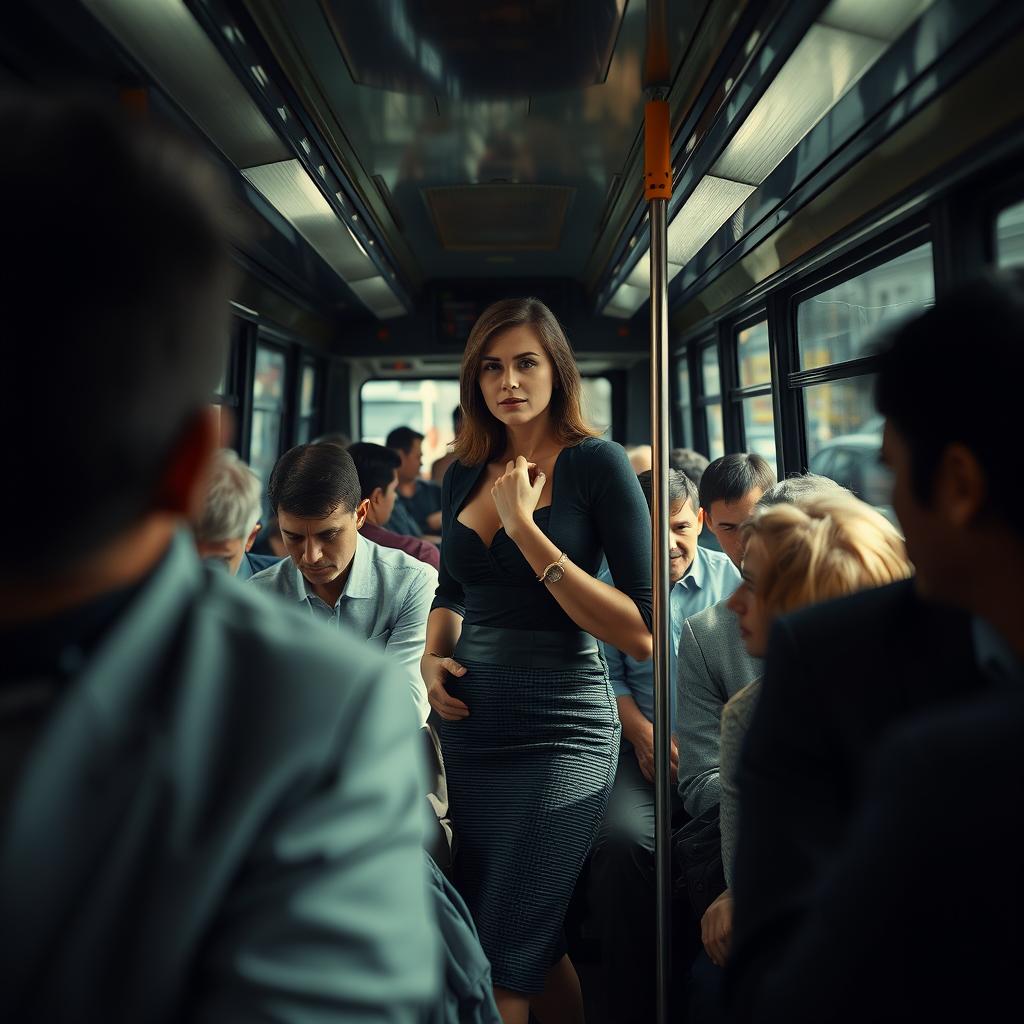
746, 603
516, 376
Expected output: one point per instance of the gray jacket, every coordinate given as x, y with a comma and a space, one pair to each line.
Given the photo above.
713, 665
220, 820
736, 719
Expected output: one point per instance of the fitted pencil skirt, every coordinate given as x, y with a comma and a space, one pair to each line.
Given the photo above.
529, 774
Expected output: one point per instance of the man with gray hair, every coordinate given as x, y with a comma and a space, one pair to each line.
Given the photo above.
230, 521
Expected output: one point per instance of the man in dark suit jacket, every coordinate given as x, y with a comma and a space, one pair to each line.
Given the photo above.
918, 917
839, 675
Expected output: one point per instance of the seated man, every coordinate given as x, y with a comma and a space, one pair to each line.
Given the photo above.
211, 805
230, 520
419, 500
713, 664
622, 866
691, 464
839, 675
381, 594
377, 467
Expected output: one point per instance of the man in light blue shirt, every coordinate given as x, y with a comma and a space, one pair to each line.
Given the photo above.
622, 868
381, 594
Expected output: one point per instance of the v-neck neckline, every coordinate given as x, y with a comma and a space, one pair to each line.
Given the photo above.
501, 529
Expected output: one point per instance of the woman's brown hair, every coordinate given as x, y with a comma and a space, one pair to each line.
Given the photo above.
481, 437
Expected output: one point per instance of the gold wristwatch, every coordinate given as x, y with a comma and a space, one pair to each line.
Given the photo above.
554, 572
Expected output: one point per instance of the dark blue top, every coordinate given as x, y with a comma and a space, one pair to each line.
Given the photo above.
425, 500
596, 508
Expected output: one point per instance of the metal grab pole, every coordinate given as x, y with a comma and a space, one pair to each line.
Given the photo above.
658, 190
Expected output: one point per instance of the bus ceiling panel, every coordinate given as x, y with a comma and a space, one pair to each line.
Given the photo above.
811, 87
476, 48
513, 128
952, 130
702, 36
167, 41
950, 40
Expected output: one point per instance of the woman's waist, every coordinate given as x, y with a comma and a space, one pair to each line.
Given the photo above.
528, 647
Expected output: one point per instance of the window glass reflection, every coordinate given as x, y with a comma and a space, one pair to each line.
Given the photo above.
685, 439
709, 371
844, 438
841, 323
268, 389
716, 431
1010, 237
306, 407
759, 427
753, 355
597, 404
306, 429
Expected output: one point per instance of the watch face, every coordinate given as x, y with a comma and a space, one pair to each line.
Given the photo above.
554, 574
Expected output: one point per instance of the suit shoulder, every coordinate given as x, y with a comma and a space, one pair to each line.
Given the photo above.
279, 649
712, 622
893, 612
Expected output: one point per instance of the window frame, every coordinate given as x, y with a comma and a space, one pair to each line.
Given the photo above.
738, 394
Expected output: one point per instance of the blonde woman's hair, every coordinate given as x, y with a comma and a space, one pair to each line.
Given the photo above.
829, 546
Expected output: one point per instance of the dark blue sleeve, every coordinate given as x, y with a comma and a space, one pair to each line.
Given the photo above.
449, 592
623, 521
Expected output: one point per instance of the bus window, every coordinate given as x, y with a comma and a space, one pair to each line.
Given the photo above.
268, 391
685, 439
1010, 236
711, 389
424, 405
308, 397
755, 371
597, 404
840, 324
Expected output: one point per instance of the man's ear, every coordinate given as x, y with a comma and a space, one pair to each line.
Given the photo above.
361, 509
960, 486
700, 521
182, 487
252, 536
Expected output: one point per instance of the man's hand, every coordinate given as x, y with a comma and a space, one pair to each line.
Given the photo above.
716, 929
642, 739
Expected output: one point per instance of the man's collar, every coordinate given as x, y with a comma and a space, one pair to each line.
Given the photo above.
358, 585
694, 576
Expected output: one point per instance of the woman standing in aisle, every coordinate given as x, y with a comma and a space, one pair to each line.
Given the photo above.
528, 723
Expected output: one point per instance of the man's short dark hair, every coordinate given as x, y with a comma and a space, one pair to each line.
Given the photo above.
952, 375
690, 463
403, 438
375, 465
733, 477
115, 301
680, 488
313, 481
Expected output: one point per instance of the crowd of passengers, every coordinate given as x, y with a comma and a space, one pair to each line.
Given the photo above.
395, 766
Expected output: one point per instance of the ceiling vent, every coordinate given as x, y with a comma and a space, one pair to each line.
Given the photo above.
499, 218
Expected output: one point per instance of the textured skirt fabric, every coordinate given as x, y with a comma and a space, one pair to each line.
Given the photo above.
529, 774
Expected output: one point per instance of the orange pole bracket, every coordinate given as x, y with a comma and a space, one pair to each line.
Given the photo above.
657, 151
